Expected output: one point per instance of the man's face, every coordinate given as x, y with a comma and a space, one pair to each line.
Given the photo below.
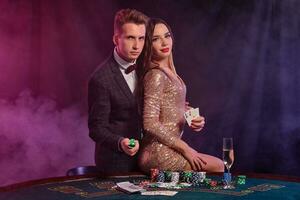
130, 41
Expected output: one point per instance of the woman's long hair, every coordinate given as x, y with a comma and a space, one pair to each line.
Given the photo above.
145, 62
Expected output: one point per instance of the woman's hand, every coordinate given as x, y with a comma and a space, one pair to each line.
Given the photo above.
198, 123
194, 159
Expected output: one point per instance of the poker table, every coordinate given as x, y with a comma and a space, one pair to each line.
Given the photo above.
257, 186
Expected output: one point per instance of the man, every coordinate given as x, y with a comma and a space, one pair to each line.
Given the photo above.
113, 109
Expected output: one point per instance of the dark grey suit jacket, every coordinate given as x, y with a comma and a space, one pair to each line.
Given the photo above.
113, 114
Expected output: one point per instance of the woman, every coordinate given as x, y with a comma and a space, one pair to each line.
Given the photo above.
164, 103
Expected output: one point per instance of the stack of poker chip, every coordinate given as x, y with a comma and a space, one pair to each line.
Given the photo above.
195, 178
227, 178
187, 176
202, 176
153, 174
241, 180
175, 177
181, 176
207, 181
168, 176
161, 176
191, 177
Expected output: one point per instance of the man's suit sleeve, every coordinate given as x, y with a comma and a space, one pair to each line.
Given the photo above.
99, 111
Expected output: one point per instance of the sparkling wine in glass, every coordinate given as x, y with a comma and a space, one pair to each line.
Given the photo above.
228, 159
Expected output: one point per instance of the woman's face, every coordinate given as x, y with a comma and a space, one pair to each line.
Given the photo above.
162, 42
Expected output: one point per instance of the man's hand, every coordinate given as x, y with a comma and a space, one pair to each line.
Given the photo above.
198, 123
125, 147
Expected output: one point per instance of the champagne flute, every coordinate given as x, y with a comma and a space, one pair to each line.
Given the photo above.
228, 158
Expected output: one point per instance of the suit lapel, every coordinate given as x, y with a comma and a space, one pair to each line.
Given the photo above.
119, 78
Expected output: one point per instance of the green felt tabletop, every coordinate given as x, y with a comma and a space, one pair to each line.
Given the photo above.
96, 188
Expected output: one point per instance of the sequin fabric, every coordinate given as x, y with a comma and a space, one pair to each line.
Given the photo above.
163, 120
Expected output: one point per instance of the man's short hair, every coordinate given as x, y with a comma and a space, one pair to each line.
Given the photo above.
124, 16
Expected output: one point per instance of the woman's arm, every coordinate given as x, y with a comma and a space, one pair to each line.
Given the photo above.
154, 84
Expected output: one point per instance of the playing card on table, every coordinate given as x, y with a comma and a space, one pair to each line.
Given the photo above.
165, 193
129, 187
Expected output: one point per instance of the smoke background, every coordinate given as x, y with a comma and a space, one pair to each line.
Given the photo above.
239, 60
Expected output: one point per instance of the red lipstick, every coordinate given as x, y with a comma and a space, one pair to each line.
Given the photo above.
165, 50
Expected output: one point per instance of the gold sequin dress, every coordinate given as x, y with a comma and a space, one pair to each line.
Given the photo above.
163, 118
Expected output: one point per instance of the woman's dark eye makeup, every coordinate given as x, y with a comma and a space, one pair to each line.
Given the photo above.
167, 35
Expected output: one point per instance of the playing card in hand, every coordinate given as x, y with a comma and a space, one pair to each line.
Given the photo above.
191, 114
